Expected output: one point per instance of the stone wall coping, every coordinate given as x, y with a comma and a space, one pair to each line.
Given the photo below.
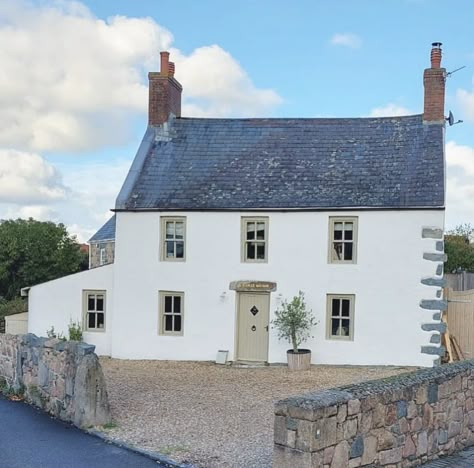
340, 395
79, 347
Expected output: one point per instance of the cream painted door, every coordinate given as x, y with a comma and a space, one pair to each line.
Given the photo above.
253, 316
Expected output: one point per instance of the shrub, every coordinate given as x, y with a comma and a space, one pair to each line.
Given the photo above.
15, 306
75, 331
294, 321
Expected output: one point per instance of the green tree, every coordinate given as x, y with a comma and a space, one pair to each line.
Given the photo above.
33, 252
459, 249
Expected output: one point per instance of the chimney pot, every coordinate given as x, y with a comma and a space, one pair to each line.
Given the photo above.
436, 55
171, 69
164, 67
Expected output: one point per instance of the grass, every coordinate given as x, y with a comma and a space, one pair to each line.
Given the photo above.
110, 425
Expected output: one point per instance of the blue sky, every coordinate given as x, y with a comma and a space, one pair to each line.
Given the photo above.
78, 126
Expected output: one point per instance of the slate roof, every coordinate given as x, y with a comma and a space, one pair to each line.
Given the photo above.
212, 164
106, 232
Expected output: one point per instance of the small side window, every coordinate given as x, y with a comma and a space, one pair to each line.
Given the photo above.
94, 310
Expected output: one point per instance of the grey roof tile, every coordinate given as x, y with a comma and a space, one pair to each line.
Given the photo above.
395, 162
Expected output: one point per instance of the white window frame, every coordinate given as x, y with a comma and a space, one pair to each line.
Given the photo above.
244, 241
163, 221
162, 313
342, 219
330, 316
102, 255
85, 310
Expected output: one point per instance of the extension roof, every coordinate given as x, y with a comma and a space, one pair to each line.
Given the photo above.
106, 232
279, 164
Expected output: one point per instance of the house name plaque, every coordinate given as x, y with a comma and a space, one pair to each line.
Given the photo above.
253, 286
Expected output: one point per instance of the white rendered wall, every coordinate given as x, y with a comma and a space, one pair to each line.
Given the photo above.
57, 302
385, 281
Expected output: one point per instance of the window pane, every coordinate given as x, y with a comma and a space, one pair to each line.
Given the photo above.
337, 251
348, 251
100, 303
337, 231
250, 231
169, 229
91, 321
334, 326
261, 251
177, 304
179, 230
345, 327
168, 323
261, 231
251, 250
100, 320
91, 302
169, 249
345, 307
179, 249
177, 323
168, 300
348, 235
335, 307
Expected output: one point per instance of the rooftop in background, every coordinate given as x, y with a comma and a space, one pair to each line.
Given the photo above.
105, 233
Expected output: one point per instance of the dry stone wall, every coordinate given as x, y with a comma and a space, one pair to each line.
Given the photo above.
63, 378
397, 422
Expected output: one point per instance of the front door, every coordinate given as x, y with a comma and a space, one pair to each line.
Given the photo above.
252, 331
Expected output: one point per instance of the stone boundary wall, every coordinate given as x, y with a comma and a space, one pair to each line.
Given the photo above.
400, 421
63, 378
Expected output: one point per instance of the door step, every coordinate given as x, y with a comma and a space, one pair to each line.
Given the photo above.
249, 364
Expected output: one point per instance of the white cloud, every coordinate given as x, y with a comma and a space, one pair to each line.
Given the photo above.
390, 110
216, 85
465, 100
27, 178
346, 40
460, 184
71, 82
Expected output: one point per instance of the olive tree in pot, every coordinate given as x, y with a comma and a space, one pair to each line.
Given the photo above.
294, 322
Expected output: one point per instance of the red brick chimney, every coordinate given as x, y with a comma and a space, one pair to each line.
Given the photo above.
164, 93
434, 80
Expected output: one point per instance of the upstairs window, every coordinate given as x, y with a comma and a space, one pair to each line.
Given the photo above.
342, 240
94, 310
340, 317
255, 240
171, 313
173, 235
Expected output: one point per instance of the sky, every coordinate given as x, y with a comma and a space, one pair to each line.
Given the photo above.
73, 83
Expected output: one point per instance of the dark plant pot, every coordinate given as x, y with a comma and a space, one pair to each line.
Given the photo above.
300, 360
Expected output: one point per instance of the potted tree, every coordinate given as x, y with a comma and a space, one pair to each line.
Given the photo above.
294, 322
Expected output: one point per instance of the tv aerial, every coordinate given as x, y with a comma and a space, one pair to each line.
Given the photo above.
450, 120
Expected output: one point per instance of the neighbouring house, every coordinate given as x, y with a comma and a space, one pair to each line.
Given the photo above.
102, 245
220, 220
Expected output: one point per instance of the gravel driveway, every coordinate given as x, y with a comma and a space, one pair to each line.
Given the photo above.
209, 415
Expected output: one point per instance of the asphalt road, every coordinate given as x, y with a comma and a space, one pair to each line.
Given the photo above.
30, 438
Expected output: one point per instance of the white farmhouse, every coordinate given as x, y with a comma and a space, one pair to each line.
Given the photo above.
219, 220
